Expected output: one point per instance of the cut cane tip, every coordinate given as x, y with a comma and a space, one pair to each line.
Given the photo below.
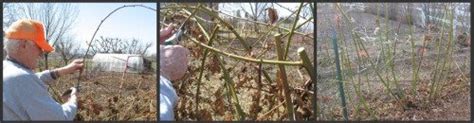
301, 49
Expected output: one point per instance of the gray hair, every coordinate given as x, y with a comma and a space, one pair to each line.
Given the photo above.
12, 45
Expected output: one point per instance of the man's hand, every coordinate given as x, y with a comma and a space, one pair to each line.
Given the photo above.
166, 33
70, 97
72, 67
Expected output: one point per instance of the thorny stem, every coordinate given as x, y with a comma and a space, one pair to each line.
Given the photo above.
291, 63
242, 58
438, 71
230, 87
309, 67
292, 32
346, 60
266, 75
412, 42
192, 14
214, 33
391, 56
307, 63
434, 87
363, 47
278, 23
284, 81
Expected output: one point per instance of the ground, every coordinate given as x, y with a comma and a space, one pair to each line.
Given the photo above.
101, 98
214, 104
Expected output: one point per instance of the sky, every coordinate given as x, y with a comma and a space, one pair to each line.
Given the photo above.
230, 8
127, 23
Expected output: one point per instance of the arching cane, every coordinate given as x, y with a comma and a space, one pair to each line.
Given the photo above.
77, 85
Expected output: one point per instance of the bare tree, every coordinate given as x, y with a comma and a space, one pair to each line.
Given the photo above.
134, 47
10, 11
10, 15
117, 45
67, 50
56, 17
306, 13
256, 12
106, 45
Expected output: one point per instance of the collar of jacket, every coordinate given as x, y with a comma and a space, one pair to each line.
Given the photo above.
16, 62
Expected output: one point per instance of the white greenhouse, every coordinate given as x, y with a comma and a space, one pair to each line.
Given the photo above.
134, 63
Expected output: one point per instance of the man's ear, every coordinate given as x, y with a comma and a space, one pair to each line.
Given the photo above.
29, 44
23, 44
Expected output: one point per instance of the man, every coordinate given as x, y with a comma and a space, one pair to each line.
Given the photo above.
25, 93
173, 66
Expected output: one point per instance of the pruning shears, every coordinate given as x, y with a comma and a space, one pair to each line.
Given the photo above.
176, 37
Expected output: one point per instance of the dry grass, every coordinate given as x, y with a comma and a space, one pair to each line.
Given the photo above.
100, 97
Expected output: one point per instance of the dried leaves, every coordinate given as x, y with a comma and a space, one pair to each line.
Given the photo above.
99, 103
213, 64
464, 40
218, 104
272, 15
205, 115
